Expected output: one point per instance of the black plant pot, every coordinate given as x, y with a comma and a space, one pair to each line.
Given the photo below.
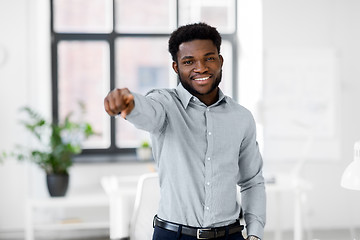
57, 184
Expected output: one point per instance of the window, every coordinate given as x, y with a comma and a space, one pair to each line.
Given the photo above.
98, 45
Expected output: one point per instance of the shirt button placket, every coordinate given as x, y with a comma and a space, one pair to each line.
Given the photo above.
208, 168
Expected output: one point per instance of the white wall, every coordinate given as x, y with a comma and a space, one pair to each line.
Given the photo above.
316, 24
13, 93
25, 78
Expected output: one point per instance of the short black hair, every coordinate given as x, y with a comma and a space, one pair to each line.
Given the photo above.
195, 31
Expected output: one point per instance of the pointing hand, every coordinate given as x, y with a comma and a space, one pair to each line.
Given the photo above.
119, 101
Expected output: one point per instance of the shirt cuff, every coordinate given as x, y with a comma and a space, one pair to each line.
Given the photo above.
255, 229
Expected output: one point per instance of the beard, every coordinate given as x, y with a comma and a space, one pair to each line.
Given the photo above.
194, 92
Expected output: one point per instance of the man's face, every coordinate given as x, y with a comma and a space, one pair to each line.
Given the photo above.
199, 68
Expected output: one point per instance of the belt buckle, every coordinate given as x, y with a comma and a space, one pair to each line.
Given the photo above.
198, 232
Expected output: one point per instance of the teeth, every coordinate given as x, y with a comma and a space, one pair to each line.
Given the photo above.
201, 79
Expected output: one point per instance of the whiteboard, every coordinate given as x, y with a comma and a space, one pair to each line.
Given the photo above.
300, 105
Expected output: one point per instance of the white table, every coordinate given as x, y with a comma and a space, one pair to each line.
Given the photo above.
298, 188
81, 201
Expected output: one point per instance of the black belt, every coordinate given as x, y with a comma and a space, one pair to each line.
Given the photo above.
199, 233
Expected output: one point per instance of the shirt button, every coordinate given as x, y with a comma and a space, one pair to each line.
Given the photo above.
208, 183
208, 158
207, 208
209, 133
208, 109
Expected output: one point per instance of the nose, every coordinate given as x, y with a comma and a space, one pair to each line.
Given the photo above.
200, 67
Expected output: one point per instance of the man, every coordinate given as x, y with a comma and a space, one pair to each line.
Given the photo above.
204, 144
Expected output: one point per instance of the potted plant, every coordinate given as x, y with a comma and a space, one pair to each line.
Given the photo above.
57, 143
144, 152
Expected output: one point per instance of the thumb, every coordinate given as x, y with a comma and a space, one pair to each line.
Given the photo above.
128, 98
129, 105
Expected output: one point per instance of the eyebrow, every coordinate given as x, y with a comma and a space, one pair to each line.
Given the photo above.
190, 57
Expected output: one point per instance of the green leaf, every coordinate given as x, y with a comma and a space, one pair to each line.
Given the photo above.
56, 146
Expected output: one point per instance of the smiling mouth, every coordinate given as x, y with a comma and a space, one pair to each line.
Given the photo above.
201, 79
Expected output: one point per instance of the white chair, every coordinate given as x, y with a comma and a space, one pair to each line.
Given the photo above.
145, 207
121, 192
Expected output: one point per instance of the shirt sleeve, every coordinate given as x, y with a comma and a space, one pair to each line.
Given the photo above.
148, 113
253, 197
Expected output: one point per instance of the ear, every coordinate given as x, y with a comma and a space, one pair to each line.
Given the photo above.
221, 60
175, 67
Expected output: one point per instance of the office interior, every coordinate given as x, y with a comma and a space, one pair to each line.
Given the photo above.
297, 71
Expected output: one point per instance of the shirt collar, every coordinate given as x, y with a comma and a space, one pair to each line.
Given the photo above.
185, 96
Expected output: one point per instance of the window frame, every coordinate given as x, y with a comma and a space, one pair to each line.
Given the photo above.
114, 153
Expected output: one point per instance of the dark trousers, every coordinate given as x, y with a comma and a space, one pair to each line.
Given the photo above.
163, 234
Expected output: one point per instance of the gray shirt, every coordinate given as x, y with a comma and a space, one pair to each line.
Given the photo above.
202, 153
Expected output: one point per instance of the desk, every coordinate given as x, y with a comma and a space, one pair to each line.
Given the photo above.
297, 187
83, 201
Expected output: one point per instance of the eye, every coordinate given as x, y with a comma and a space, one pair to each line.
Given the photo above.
188, 62
210, 59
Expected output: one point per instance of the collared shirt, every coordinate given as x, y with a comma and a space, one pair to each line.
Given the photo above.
202, 154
